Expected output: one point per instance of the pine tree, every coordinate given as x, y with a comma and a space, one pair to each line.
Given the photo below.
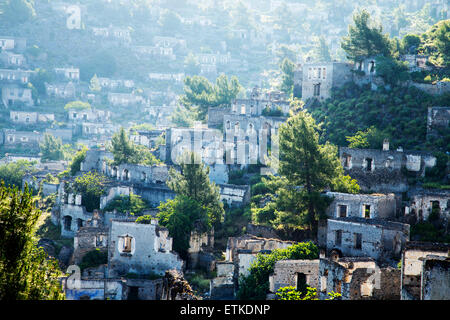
25, 271
306, 163
365, 39
193, 182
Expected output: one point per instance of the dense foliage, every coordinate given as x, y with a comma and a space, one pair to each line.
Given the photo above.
255, 286
193, 182
200, 94
399, 114
126, 151
91, 186
12, 173
25, 271
51, 148
132, 204
181, 216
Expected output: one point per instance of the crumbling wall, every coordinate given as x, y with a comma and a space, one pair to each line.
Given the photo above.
222, 287
436, 279
147, 252
286, 271
412, 265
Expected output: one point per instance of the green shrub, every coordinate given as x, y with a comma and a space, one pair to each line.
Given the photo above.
94, 258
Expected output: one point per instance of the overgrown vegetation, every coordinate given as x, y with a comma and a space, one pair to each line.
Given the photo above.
255, 286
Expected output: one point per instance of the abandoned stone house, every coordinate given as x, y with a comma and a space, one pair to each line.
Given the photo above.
111, 84
425, 271
155, 52
438, 119
416, 62
13, 44
205, 143
13, 94
142, 249
13, 138
379, 239
381, 170
12, 76
30, 117
369, 206
423, 202
12, 60
294, 273
92, 236
320, 78
125, 99
89, 115
242, 251
235, 195
61, 90
173, 77
70, 73
65, 134
358, 278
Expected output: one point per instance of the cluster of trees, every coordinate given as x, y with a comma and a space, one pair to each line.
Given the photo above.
25, 271
306, 168
12, 173
91, 186
132, 204
197, 204
126, 151
399, 114
255, 286
200, 94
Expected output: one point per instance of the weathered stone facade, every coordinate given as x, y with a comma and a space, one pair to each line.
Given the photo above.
413, 257
381, 170
358, 278
436, 278
141, 249
360, 237
294, 273
320, 78
382, 206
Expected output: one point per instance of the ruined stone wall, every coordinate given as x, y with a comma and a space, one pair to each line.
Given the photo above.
436, 279
378, 237
421, 204
285, 273
215, 116
223, 286
235, 195
412, 266
88, 239
149, 252
100, 289
381, 206
438, 120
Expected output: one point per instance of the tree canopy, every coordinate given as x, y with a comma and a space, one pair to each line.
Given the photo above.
25, 271
365, 39
200, 94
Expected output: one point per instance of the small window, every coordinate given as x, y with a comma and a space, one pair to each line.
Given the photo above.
317, 90
366, 211
358, 241
369, 164
338, 237
126, 244
342, 211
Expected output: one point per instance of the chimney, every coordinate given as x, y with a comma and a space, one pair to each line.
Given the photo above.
386, 145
